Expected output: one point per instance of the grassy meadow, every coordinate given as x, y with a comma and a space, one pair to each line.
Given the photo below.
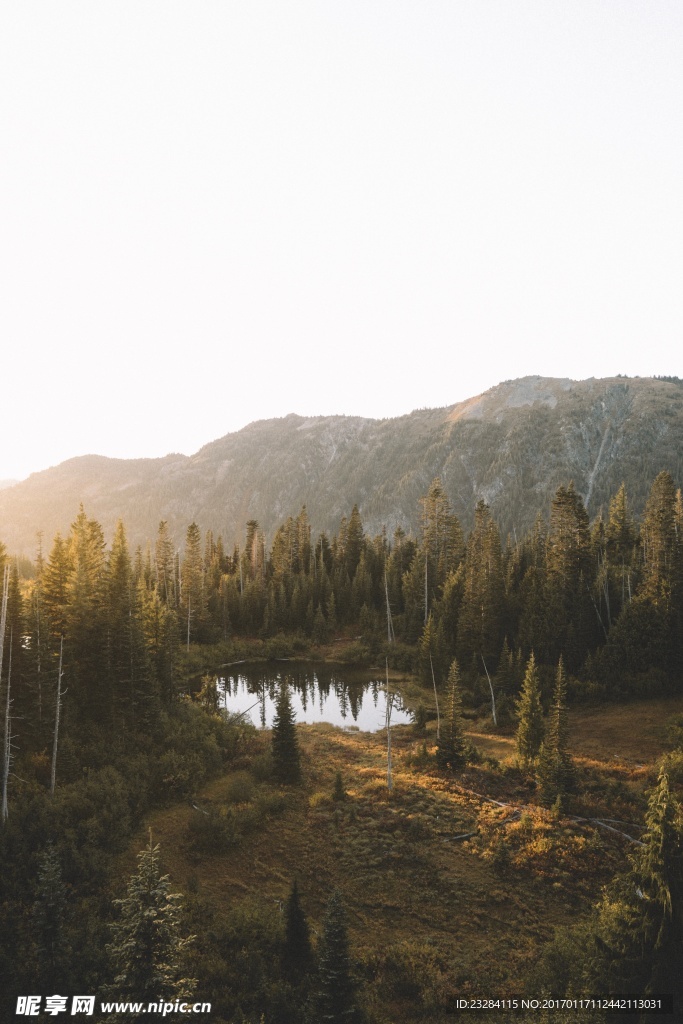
452, 884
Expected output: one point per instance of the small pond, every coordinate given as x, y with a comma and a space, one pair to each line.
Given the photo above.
348, 697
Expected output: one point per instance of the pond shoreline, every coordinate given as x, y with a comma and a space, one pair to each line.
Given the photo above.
340, 695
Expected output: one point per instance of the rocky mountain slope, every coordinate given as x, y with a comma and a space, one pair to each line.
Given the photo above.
513, 446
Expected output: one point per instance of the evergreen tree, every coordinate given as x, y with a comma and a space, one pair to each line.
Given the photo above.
49, 919
163, 565
86, 634
23, 694
193, 596
320, 628
661, 548
339, 793
530, 716
298, 954
452, 748
573, 624
442, 540
353, 542
148, 951
534, 631
480, 620
159, 629
432, 652
555, 768
505, 676
659, 867
620, 532
335, 1003
303, 531
286, 758
54, 585
119, 618
638, 935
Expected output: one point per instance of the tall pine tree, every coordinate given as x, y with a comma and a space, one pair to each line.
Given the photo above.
298, 954
148, 950
452, 748
335, 1002
555, 768
530, 717
285, 745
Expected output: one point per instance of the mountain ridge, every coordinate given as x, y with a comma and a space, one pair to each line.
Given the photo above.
513, 445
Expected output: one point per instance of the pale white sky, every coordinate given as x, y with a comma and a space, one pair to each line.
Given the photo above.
215, 212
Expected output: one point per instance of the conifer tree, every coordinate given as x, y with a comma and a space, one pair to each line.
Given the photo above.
571, 616
193, 595
163, 565
55, 589
23, 696
620, 532
534, 631
159, 630
286, 758
432, 651
505, 676
86, 633
530, 716
148, 950
555, 768
50, 914
638, 934
452, 747
480, 620
298, 954
353, 546
335, 1003
442, 540
660, 543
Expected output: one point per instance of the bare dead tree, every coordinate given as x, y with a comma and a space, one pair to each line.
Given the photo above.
390, 705
390, 695
7, 753
493, 697
3, 614
58, 709
390, 625
436, 698
3, 627
426, 594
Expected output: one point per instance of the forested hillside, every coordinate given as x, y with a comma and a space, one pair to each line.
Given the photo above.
511, 447
108, 716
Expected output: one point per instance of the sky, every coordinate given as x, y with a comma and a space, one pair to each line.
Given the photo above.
218, 212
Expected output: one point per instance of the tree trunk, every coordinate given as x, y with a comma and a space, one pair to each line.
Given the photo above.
7, 754
436, 698
390, 701
493, 699
58, 708
3, 625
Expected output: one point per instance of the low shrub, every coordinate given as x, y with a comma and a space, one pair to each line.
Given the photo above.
212, 832
262, 767
240, 788
356, 653
319, 799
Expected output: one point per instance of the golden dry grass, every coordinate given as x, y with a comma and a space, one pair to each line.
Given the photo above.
413, 890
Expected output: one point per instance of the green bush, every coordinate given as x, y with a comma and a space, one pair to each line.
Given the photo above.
420, 718
212, 832
339, 793
240, 788
262, 767
356, 653
271, 802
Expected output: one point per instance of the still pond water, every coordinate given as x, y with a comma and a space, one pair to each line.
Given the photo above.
347, 697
